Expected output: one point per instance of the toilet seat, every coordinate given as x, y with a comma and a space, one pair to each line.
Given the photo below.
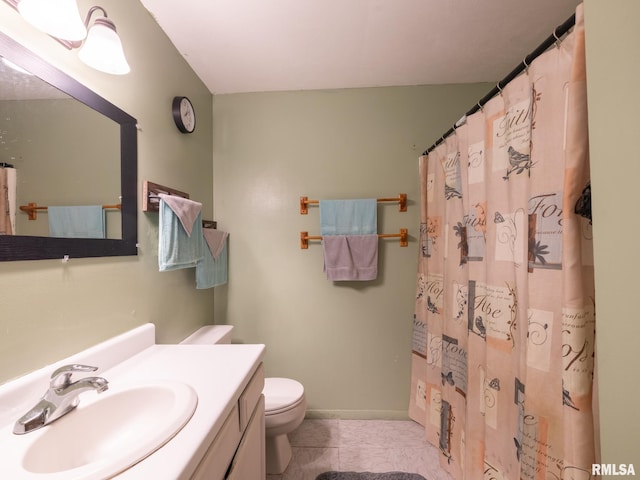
281, 395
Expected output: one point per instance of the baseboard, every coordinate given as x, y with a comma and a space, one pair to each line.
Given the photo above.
357, 414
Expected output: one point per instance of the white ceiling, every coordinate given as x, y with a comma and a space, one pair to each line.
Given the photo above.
259, 45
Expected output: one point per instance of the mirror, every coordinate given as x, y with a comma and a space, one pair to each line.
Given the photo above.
105, 172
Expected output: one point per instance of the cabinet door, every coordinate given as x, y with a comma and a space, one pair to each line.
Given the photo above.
250, 461
215, 462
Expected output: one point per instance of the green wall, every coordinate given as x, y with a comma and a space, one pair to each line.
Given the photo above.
613, 69
49, 310
349, 343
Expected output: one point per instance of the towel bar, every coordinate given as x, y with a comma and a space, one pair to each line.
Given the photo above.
151, 199
401, 199
32, 209
150, 192
403, 236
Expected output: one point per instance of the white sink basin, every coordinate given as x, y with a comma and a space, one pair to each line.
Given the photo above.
105, 434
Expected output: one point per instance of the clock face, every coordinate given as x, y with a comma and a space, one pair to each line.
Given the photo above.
184, 114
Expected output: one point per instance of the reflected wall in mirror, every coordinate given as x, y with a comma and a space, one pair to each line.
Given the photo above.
69, 147
36, 123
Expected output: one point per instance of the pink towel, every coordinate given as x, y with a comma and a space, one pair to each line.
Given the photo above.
215, 239
350, 257
186, 210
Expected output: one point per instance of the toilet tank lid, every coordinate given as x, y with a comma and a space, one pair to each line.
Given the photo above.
209, 335
281, 392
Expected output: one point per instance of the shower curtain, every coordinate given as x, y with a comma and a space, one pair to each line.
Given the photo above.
503, 336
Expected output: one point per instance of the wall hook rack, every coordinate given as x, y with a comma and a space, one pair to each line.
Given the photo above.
151, 199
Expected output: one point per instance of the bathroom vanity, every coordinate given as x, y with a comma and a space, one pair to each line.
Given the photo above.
223, 437
239, 445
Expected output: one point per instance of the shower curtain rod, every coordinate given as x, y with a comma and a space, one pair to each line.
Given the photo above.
551, 40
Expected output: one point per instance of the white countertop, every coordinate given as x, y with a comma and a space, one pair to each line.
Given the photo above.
218, 374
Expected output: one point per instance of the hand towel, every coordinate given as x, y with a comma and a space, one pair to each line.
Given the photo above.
213, 269
350, 257
349, 217
86, 221
186, 210
176, 248
215, 240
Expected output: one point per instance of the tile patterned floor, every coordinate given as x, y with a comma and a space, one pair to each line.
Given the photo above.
360, 445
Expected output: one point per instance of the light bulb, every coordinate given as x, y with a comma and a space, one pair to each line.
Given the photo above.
103, 50
58, 18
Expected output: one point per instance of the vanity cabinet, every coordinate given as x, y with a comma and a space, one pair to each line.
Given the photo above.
238, 450
223, 440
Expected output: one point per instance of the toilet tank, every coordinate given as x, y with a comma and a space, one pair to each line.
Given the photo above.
209, 335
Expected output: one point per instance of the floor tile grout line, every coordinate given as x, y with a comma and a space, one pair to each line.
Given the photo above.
303, 471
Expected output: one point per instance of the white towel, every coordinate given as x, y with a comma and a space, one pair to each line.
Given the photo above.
8, 200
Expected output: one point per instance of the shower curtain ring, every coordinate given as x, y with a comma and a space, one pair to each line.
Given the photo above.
526, 65
499, 88
558, 41
480, 107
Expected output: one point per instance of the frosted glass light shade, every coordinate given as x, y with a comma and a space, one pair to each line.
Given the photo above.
58, 18
103, 50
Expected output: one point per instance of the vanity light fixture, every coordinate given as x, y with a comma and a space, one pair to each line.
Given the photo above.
100, 46
102, 49
58, 18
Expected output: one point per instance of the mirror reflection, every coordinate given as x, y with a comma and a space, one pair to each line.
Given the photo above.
85, 155
66, 156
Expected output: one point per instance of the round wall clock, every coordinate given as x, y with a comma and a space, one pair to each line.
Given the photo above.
183, 114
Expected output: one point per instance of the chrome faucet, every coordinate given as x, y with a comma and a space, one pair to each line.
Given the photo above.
61, 398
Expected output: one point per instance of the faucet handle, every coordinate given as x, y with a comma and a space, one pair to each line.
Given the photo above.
61, 377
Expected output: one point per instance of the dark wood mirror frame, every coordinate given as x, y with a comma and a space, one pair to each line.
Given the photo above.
17, 247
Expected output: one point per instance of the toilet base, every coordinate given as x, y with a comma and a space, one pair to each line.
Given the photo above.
278, 453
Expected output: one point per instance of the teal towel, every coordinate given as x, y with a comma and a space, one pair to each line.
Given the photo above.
349, 217
176, 249
76, 222
211, 272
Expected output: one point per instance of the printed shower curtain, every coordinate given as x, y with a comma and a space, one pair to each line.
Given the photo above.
503, 338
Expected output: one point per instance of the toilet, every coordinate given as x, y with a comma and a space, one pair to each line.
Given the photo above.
285, 402
285, 405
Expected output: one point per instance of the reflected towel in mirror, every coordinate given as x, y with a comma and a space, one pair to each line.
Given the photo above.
83, 221
7, 200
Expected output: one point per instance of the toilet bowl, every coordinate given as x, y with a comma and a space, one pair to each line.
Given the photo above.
285, 403
285, 406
